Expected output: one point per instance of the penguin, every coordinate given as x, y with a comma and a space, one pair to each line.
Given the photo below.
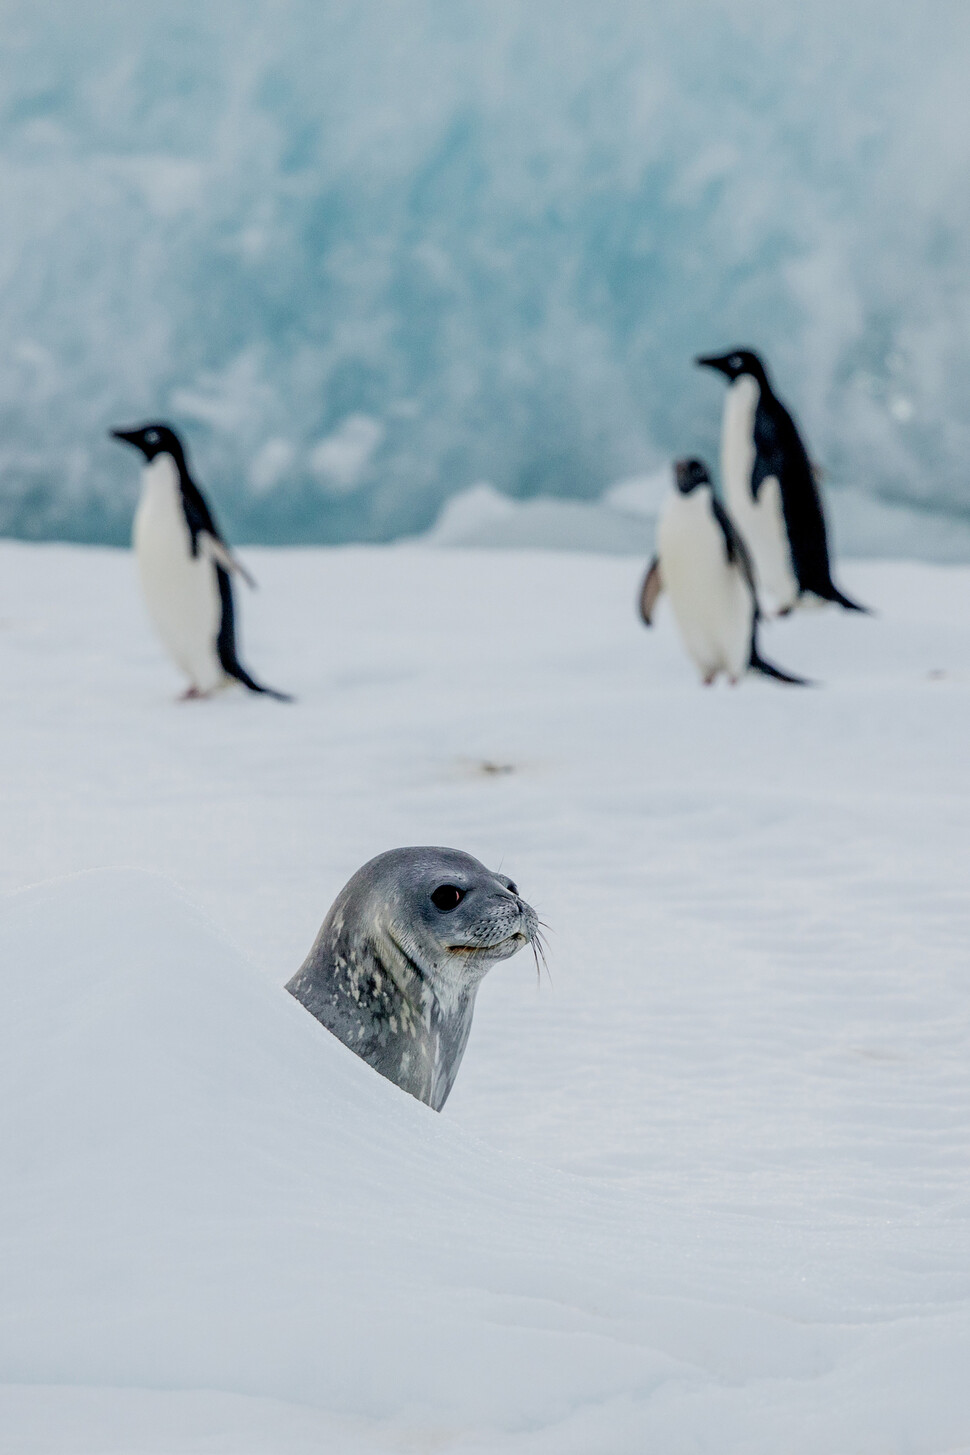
771, 488
703, 563
185, 567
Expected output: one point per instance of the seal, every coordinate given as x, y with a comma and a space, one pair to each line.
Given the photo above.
396, 966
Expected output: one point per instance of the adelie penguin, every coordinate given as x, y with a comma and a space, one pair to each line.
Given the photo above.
185, 567
771, 488
702, 563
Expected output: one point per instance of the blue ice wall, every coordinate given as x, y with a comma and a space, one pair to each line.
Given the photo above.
365, 253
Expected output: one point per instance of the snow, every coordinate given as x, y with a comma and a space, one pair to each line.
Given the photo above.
483, 517
623, 522
705, 1189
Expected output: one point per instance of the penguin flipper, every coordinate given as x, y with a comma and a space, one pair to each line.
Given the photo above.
769, 443
766, 669
650, 590
220, 553
734, 546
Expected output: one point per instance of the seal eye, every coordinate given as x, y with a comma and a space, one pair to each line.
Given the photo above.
447, 896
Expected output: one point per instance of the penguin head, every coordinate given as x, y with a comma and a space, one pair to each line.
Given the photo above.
734, 364
688, 474
152, 440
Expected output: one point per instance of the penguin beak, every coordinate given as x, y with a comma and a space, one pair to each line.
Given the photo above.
130, 436
690, 473
713, 361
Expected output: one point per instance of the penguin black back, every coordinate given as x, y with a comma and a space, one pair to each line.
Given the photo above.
779, 453
200, 632
703, 562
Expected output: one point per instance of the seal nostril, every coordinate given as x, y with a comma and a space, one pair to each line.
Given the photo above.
513, 889
447, 896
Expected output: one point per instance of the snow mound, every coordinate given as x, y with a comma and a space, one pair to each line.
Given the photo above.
203, 1190
706, 1191
482, 516
623, 523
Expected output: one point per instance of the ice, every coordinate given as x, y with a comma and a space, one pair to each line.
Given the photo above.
705, 1189
497, 233
341, 459
623, 522
482, 517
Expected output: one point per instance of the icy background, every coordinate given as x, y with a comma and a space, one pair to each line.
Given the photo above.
368, 255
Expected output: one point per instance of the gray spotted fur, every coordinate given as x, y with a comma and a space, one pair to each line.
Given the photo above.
395, 978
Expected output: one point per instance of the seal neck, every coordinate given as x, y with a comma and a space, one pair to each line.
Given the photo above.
374, 997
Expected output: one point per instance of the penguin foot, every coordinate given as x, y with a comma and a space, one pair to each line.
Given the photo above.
191, 694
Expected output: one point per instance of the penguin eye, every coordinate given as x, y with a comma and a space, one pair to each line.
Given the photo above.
151, 437
447, 896
736, 362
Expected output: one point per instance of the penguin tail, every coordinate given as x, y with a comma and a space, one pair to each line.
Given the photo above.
828, 591
847, 603
758, 664
226, 643
233, 669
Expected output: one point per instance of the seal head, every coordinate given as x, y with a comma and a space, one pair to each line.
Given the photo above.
399, 958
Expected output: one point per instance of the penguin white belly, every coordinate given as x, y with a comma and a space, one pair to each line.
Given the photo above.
711, 600
762, 521
181, 590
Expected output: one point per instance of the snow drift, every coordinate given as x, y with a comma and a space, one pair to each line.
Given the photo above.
707, 1190
206, 1191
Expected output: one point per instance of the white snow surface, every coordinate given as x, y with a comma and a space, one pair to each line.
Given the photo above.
705, 1189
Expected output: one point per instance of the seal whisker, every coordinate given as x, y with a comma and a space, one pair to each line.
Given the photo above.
538, 947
